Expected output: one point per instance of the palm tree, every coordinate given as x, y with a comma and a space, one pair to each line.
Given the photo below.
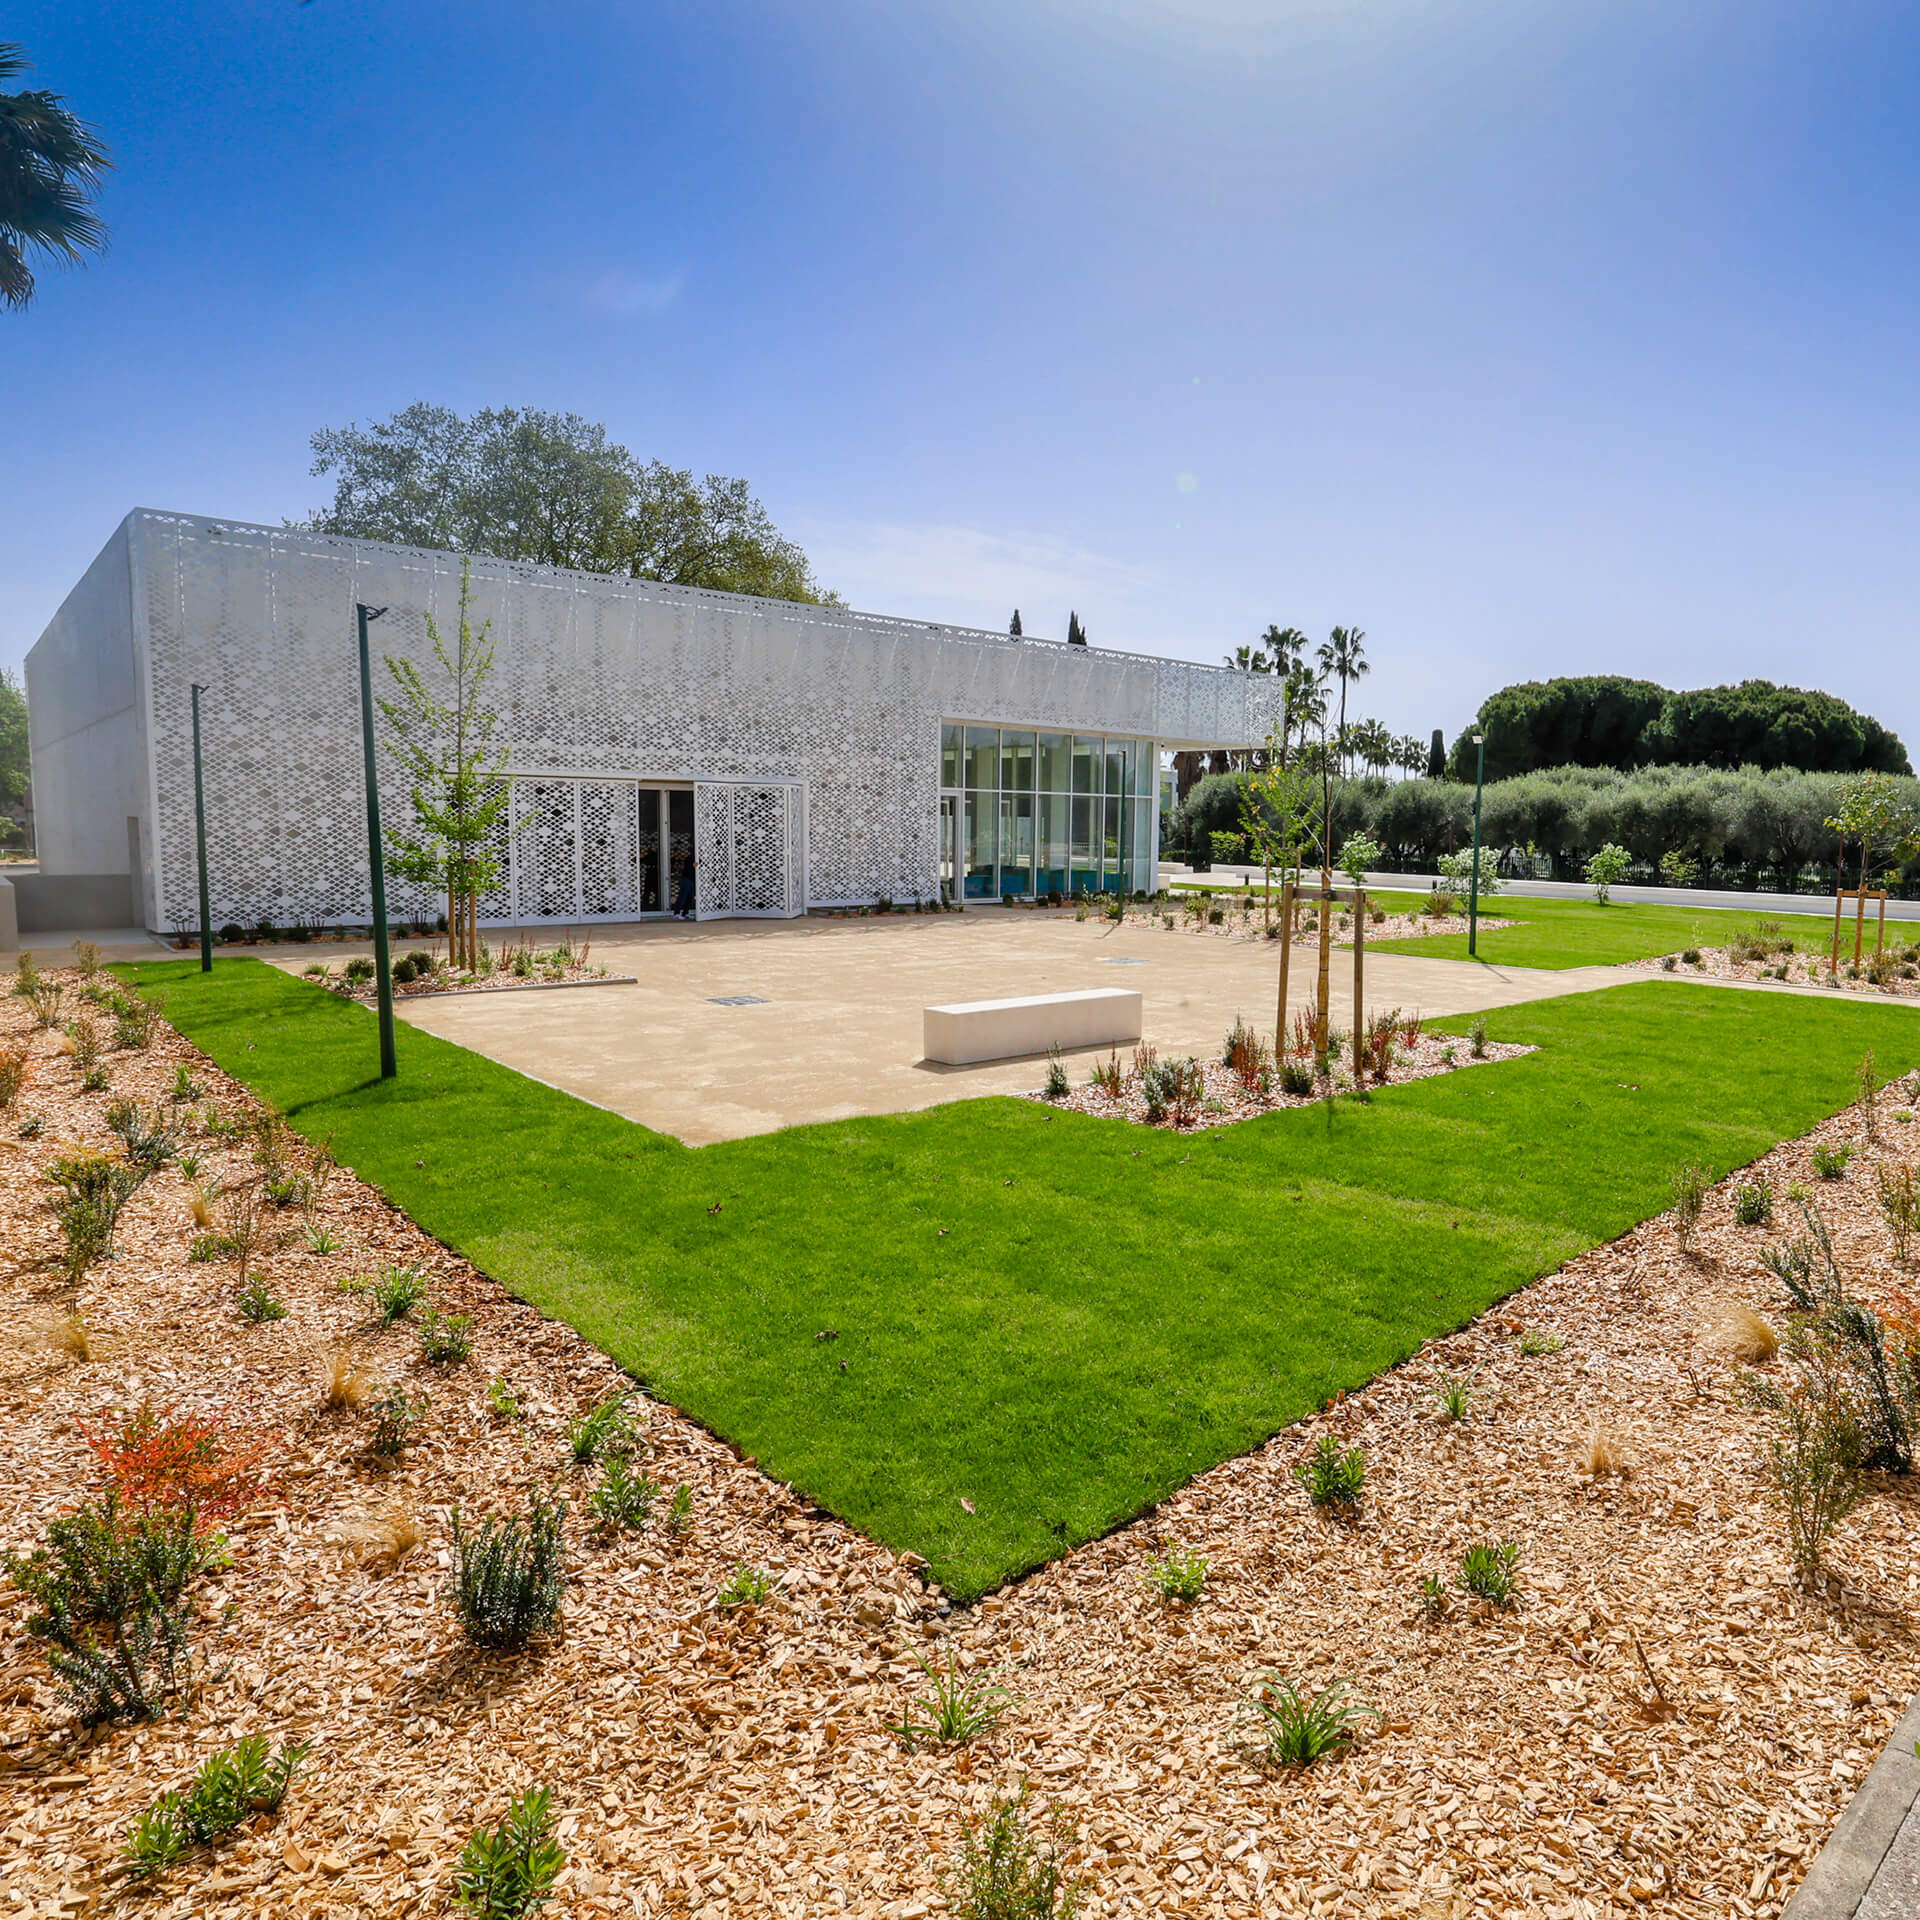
1343, 654
1248, 660
1286, 648
50, 167
1303, 705
1410, 754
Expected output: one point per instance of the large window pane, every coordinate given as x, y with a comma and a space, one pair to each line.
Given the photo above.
1142, 872
949, 756
1110, 844
1016, 762
981, 821
1087, 757
1085, 867
1016, 843
1051, 872
1119, 766
983, 757
1056, 763
1146, 768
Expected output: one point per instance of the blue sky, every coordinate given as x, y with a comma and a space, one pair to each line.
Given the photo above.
1532, 338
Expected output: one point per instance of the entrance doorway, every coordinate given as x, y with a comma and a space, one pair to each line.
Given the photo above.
579, 849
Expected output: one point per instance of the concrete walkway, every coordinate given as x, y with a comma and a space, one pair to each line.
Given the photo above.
833, 1028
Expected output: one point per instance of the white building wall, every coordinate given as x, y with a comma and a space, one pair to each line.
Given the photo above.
84, 716
592, 675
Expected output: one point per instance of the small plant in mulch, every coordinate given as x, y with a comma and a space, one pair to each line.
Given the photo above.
1753, 1204
446, 1339
1691, 1184
1058, 1086
394, 1292
1899, 1194
680, 1512
1436, 1598
256, 1303
1295, 1729
1487, 1572
1334, 1476
1008, 1872
1178, 1576
623, 1501
607, 1428
395, 1415
150, 1138
227, 1789
1536, 1344
198, 1462
502, 1402
16, 1070
135, 1020
1830, 1160
94, 1187
954, 1709
508, 1870
1453, 1394
510, 1574
745, 1586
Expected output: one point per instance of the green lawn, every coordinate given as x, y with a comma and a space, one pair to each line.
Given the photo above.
1581, 933
1057, 1318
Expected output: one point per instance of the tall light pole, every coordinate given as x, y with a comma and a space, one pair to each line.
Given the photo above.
200, 840
1473, 881
376, 859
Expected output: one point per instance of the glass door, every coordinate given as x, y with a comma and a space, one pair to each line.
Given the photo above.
949, 849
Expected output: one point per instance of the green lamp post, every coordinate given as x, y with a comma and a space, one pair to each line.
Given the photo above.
200, 840
376, 858
1473, 880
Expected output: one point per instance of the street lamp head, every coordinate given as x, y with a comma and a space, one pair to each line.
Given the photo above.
370, 613
1478, 739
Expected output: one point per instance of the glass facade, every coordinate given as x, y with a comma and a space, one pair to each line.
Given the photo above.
1040, 813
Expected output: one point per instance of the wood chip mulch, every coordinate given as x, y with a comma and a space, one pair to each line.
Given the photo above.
1662, 1725
1248, 924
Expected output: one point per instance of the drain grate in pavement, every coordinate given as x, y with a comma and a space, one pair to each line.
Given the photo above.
738, 1000
1121, 960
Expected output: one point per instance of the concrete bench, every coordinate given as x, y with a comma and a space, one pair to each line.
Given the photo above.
975, 1030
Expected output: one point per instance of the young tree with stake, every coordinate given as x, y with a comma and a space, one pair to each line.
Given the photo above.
457, 778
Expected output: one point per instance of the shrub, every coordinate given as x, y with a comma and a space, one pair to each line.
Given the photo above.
680, 1511
1178, 1575
508, 1870
134, 1021
509, 1575
1298, 1730
109, 1588
953, 1711
16, 1069
1441, 901
1108, 1077
227, 1789
1753, 1204
1900, 1206
359, 968
445, 1339
502, 1402
396, 1291
1667, 962
1477, 1037
1006, 1874
1738, 1331
1334, 1476
623, 1501
1227, 847
257, 1304
1830, 1160
93, 1189
172, 1462
1690, 1184
1535, 1345
1814, 1453
1246, 1054
44, 997
320, 1240
1866, 1079
1296, 1078
608, 1428
149, 1138
85, 1037
1691, 956
395, 1415
1173, 1090
1487, 1572
1057, 1087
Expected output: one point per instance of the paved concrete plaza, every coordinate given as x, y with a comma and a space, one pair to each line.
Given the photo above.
839, 1030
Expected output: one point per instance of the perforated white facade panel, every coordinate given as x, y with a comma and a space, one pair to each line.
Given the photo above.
811, 735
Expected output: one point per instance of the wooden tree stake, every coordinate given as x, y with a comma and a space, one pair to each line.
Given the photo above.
1359, 977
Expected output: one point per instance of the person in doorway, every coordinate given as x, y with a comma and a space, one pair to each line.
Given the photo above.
683, 894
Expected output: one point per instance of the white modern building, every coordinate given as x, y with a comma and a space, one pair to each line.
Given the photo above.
803, 756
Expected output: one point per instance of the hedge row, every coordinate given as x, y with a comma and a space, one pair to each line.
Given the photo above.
1731, 823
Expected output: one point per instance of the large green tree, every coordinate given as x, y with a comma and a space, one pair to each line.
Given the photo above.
520, 484
1605, 720
51, 167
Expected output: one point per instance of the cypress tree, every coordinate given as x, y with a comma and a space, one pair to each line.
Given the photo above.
1076, 633
1013, 625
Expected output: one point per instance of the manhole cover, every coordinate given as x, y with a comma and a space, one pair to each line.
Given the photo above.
737, 1000
1121, 960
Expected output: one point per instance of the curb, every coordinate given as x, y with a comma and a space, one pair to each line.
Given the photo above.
1880, 1825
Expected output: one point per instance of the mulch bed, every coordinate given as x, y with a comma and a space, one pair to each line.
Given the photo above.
1796, 969
1663, 1724
1249, 924
1228, 1099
